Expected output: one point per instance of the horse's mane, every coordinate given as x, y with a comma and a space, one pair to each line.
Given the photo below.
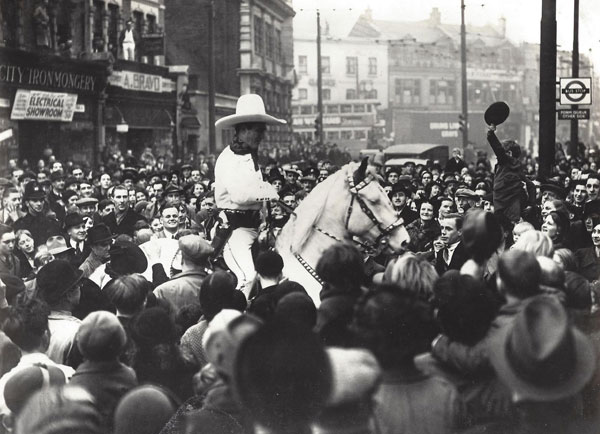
311, 209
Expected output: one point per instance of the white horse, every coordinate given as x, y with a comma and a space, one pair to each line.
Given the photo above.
349, 205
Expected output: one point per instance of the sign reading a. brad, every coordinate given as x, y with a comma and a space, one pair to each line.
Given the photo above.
576, 91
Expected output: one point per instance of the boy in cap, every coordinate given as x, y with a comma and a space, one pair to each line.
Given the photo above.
101, 339
184, 288
512, 190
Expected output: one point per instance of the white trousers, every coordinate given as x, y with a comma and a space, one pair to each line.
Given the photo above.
129, 50
238, 257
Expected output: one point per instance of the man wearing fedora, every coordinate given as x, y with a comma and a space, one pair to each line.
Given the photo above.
36, 221
99, 239
76, 235
545, 362
240, 189
59, 285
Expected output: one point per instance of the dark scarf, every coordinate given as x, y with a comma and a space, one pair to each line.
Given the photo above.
241, 148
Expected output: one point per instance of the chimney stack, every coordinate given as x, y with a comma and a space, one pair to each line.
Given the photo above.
435, 17
503, 26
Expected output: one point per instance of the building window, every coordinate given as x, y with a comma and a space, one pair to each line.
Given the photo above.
360, 134
372, 65
332, 109
359, 108
346, 108
152, 27
306, 110
326, 94
325, 65
97, 33
302, 93
268, 41
350, 93
258, 36
346, 134
407, 91
302, 65
295, 110
371, 94
113, 27
278, 52
442, 92
351, 65
333, 135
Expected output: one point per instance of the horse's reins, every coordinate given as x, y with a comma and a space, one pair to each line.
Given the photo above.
370, 248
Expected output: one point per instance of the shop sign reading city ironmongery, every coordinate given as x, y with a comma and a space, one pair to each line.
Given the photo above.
44, 106
140, 81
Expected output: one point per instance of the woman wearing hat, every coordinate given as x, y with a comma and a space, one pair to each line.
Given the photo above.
240, 190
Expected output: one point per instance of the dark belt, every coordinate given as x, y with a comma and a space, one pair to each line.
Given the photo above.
243, 218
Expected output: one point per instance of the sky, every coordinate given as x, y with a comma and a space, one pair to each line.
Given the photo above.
522, 16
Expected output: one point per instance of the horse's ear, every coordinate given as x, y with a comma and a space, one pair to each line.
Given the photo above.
360, 173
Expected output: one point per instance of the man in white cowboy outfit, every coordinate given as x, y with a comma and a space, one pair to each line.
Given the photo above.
239, 186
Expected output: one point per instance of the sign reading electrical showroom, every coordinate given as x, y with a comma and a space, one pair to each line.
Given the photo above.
43, 106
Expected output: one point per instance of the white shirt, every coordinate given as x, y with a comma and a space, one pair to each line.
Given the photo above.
26, 361
451, 248
63, 328
76, 244
128, 39
238, 185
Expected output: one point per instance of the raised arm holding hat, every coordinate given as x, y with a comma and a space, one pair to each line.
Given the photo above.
239, 186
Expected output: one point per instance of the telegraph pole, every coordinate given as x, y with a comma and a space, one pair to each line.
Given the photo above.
575, 73
463, 73
319, 83
547, 131
211, 78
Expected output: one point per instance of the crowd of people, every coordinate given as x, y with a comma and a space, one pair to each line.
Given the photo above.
120, 311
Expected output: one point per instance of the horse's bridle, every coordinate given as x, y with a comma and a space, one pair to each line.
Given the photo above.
384, 231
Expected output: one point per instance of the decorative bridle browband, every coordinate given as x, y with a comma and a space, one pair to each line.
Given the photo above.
354, 190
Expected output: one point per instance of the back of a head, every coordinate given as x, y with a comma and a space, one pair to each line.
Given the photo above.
25, 382
394, 324
101, 337
465, 308
535, 242
144, 410
128, 293
60, 410
216, 293
520, 273
551, 273
297, 308
26, 324
269, 264
342, 266
481, 234
286, 390
412, 273
152, 327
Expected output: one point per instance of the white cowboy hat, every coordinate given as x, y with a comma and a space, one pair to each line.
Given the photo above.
249, 108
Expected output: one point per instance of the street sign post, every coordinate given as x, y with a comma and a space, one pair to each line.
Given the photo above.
573, 114
576, 91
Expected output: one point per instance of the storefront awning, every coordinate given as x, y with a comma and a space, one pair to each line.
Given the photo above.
139, 117
190, 122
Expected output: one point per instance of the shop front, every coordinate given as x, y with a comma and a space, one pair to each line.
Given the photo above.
48, 101
140, 110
